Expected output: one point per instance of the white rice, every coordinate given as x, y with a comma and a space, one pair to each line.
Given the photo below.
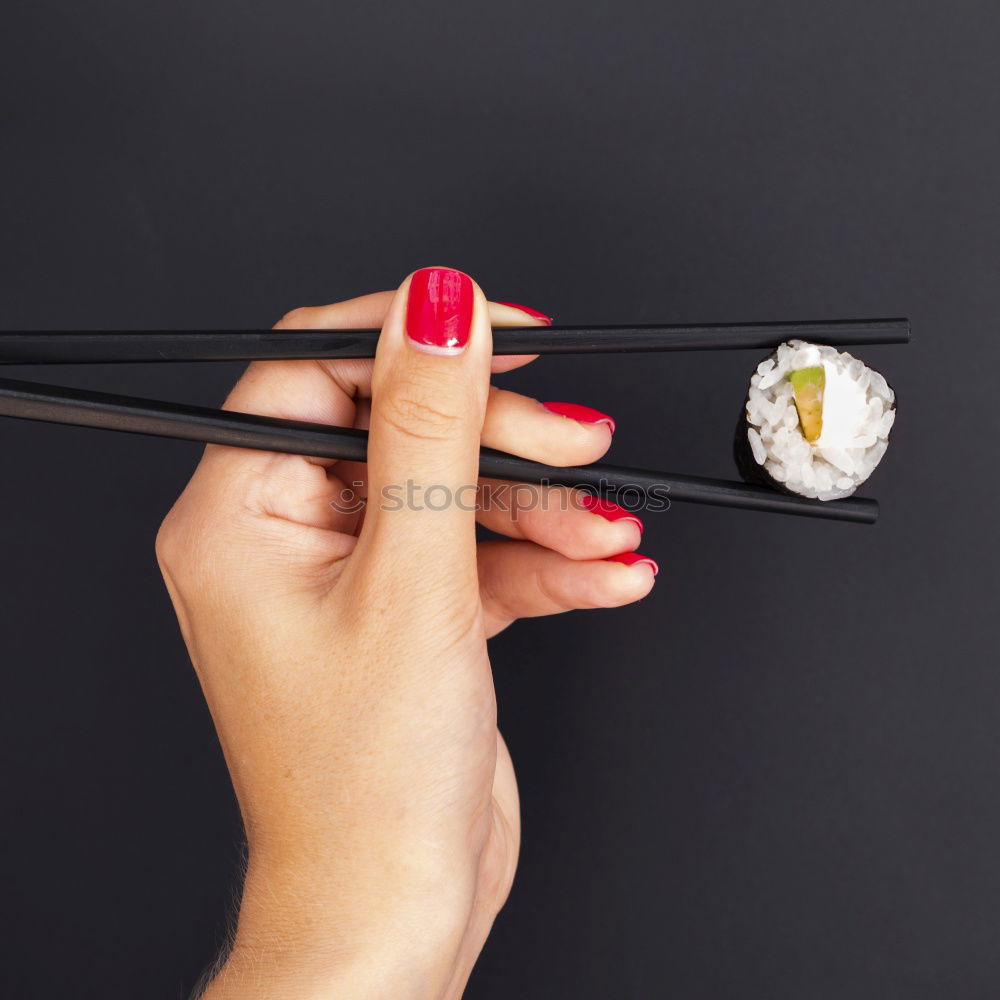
858, 413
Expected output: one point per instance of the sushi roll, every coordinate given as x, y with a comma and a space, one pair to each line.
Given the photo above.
816, 422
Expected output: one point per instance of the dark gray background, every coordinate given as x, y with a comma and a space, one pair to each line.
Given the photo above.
777, 777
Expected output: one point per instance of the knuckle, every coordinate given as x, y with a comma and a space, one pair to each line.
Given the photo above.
411, 416
184, 546
166, 545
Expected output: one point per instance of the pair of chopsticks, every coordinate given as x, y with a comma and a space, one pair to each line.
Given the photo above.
57, 404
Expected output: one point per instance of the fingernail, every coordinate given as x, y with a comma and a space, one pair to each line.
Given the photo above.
533, 313
608, 510
583, 414
439, 310
634, 559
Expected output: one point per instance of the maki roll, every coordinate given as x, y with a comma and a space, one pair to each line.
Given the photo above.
817, 422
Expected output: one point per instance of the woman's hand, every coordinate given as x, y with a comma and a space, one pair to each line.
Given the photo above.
343, 653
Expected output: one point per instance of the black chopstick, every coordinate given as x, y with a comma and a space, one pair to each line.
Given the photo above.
41, 347
60, 405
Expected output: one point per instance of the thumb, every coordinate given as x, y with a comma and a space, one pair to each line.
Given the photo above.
430, 386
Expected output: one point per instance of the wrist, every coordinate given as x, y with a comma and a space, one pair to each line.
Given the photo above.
254, 973
315, 933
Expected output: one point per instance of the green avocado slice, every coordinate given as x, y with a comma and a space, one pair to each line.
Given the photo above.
808, 385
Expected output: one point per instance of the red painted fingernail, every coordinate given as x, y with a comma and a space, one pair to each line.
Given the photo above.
634, 559
533, 313
439, 310
608, 510
583, 414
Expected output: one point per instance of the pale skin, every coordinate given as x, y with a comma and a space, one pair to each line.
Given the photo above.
344, 657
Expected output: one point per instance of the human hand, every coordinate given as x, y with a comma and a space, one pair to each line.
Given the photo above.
343, 654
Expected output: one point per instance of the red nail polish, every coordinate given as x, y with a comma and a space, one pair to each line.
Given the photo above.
439, 310
608, 510
583, 414
634, 559
533, 313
